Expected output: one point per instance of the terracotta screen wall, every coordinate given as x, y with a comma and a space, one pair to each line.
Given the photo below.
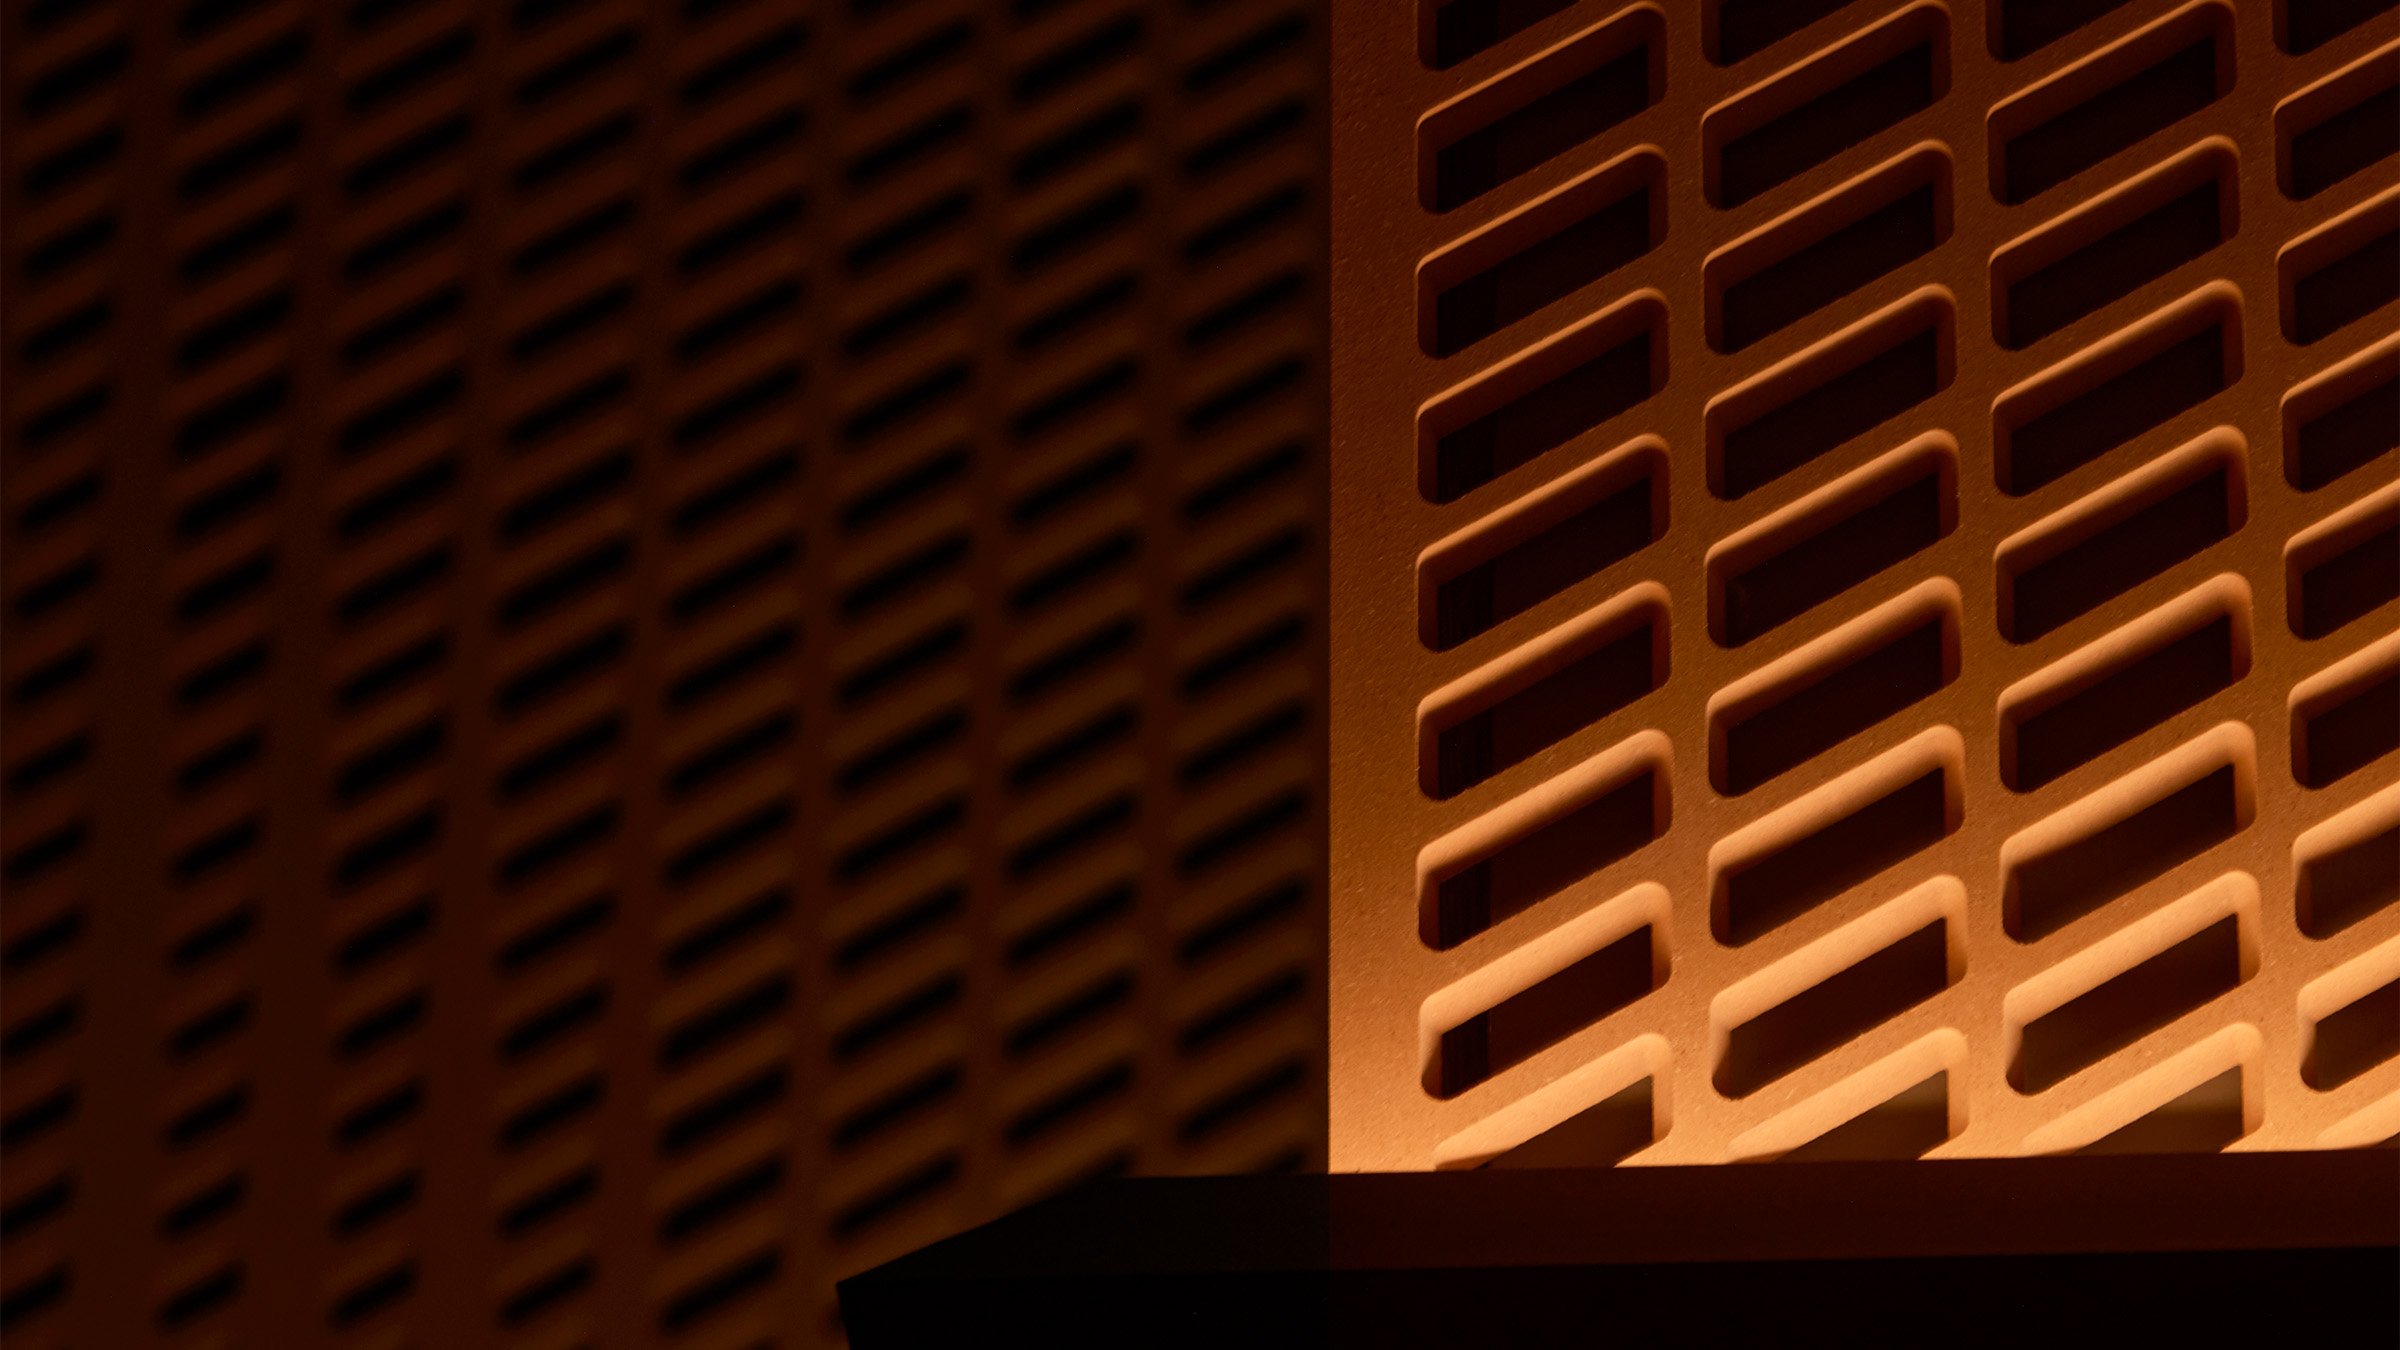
1864, 568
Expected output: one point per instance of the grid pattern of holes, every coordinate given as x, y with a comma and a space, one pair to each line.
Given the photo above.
2144, 393
655, 651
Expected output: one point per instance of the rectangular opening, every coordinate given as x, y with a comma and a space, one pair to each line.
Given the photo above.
2019, 28
2302, 26
1870, 675
1756, 895
2104, 546
2095, 257
2353, 1039
2342, 273
1538, 549
1499, 133
2337, 576
1538, 862
2343, 421
1839, 390
2046, 891
2111, 102
1543, 400
1764, 284
2339, 128
2165, 365
1824, 106
1908, 1124
1736, 30
1842, 1007
1533, 708
1541, 255
2047, 734
2342, 728
2121, 1010
2343, 881
2203, 1120
1468, 28
1534, 1019
1600, 1135
1883, 516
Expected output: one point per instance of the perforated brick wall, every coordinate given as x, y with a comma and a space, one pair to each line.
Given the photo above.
653, 650
1864, 579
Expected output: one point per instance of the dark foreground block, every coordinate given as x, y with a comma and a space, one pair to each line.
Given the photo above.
2192, 1250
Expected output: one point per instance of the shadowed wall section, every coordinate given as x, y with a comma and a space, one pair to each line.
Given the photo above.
653, 650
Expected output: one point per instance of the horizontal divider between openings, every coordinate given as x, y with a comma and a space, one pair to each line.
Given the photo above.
2339, 127
2348, 870
2123, 685
1841, 1007
2352, 1039
1461, 29
1542, 545
1866, 229
2111, 102
2343, 420
2115, 850
1826, 104
2302, 26
1878, 517
2342, 725
1830, 691
1768, 884
1540, 110
2337, 574
2103, 546
1908, 1124
1540, 856
2130, 1005
2341, 273
2137, 379
2203, 1119
1528, 709
1520, 411
1600, 1135
1533, 1019
1541, 255
2094, 256
1832, 393
2019, 28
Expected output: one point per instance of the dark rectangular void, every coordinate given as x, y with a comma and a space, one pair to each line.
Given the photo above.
2051, 429
1789, 725
2116, 108
1596, 680
2203, 1120
1766, 285
1538, 415
1543, 561
2325, 296
1540, 862
1842, 392
2354, 135
1465, 28
1840, 1008
2353, 1039
2358, 428
2093, 560
2046, 737
1540, 112
2049, 890
2302, 26
2099, 1022
2341, 885
1557, 253
2335, 581
2344, 729
1600, 1135
1908, 1124
1532, 1020
1806, 118
2114, 264
1760, 894
1744, 28
2022, 27
1860, 535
